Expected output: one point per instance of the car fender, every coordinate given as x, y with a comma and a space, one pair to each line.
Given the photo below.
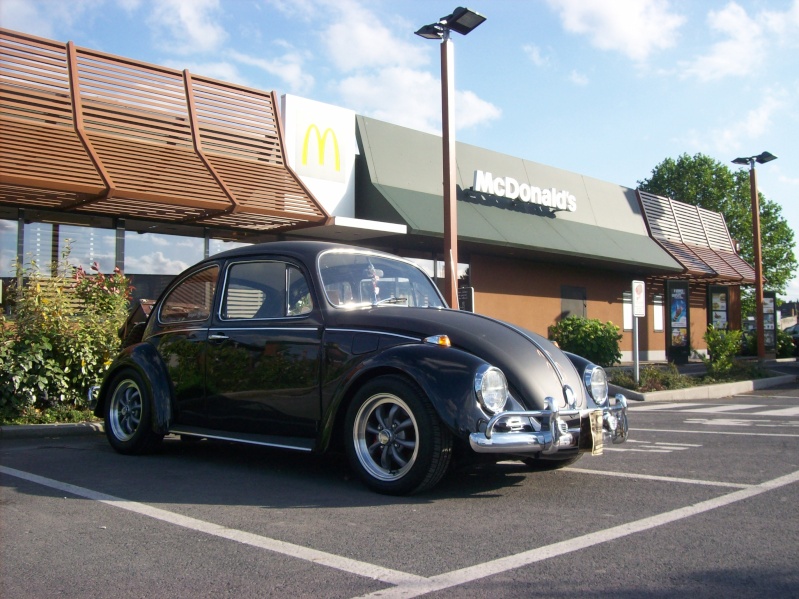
579, 362
445, 375
144, 359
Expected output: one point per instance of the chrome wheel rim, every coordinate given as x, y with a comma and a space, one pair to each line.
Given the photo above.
385, 436
124, 414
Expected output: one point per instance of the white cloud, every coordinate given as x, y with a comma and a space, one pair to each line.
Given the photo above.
412, 98
578, 78
755, 124
636, 28
129, 6
535, 55
785, 25
188, 26
742, 50
43, 17
290, 68
357, 39
402, 96
25, 16
471, 111
385, 75
154, 263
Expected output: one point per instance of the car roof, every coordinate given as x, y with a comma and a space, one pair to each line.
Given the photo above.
306, 250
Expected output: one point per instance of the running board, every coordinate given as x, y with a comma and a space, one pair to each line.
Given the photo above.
295, 443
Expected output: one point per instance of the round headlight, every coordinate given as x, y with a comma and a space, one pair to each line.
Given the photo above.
491, 388
596, 381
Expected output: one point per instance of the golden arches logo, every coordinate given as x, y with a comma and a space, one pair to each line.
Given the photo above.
321, 142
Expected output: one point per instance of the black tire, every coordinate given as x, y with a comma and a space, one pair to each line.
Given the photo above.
128, 410
541, 464
395, 441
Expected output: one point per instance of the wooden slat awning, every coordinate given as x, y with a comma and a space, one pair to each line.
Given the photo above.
93, 133
697, 238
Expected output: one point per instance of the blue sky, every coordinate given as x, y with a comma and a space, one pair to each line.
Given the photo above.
605, 88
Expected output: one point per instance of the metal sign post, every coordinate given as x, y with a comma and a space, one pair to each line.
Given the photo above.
639, 311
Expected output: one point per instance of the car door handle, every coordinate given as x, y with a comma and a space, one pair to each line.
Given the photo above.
217, 337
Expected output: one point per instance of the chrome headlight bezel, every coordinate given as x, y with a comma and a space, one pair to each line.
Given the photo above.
491, 389
596, 383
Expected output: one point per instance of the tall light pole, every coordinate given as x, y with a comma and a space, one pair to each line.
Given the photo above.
462, 20
750, 160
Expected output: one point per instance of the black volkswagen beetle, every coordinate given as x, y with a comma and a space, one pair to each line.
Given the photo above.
311, 346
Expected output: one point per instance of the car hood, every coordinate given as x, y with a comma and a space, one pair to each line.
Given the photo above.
535, 367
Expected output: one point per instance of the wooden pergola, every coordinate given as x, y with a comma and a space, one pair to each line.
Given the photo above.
89, 133
696, 238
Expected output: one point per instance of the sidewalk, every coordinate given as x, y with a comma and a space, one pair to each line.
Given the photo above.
786, 371
27, 431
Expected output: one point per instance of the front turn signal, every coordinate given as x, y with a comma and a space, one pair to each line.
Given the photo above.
442, 340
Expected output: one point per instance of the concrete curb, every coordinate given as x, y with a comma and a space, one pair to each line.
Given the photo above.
716, 391
30, 431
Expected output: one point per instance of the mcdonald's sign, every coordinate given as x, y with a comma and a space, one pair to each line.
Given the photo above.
321, 148
321, 144
318, 152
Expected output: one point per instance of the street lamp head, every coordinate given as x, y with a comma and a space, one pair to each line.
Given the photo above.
431, 32
760, 159
765, 157
462, 20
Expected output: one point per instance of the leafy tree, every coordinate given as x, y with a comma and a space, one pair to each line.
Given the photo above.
703, 181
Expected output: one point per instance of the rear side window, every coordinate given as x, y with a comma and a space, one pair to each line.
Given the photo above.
258, 290
192, 299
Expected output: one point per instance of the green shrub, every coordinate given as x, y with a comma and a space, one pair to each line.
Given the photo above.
61, 340
785, 345
652, 378
588, 338
722, 347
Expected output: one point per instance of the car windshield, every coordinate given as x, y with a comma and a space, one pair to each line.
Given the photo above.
352, 279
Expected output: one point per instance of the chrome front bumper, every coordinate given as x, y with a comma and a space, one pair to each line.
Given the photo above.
546, 431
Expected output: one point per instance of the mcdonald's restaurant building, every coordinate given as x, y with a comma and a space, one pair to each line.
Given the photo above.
152, 178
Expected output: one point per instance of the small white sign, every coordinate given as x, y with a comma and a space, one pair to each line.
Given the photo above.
639, 299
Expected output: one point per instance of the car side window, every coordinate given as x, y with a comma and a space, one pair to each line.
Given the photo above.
192, 299
260, 289
300, 300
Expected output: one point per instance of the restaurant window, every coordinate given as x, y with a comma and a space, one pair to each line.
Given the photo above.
8, 248
159, 254
627, 308
87, 245
657, 312
573, 301
153, 259
37, 248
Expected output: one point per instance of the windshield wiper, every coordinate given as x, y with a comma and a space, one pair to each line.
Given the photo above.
392, 300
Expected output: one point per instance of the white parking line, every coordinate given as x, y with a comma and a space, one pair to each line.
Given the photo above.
667, 479
651, 407
726, 408
707, 432
479, 571
304, 553
411, 585
779, 412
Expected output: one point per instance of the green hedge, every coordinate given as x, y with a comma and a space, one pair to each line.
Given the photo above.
589, 338
60, 341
